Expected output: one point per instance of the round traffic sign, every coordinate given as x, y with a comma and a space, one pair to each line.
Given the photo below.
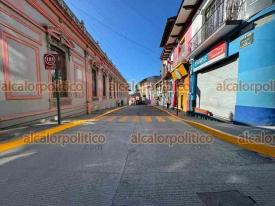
49, 60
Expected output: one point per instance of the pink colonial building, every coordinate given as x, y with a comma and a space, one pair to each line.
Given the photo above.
28, 30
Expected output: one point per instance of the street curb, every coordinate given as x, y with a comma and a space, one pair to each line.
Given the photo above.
263, 149
18, 142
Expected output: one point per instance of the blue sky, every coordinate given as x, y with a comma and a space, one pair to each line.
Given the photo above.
129, 31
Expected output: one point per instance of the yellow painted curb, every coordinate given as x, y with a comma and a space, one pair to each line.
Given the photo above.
263, 149
48, 132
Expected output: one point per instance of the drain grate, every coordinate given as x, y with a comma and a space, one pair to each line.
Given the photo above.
226, 198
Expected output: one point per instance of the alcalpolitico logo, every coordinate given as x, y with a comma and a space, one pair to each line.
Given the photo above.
171, 139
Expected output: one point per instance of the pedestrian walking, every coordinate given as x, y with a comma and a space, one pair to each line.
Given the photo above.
168, 102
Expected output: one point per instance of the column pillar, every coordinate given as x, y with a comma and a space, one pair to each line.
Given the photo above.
107, 86
100, 84
114, 89
88, 79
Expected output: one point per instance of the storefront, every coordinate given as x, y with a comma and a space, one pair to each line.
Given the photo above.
235, 80
183, 90
256, 73
181, 87
212, 71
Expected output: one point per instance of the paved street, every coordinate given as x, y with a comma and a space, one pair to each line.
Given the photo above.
121, 173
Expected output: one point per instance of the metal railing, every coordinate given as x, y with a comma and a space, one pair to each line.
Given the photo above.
227, 10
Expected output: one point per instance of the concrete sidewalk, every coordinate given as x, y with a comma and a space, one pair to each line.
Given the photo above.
17, 131
255, 133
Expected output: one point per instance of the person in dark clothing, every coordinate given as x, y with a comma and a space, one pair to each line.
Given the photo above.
168, 102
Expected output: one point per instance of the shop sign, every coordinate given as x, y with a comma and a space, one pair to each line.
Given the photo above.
247, 40
217, 53
201, 61
182, 70
176, 75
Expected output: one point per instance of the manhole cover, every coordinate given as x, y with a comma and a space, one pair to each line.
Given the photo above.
225, 198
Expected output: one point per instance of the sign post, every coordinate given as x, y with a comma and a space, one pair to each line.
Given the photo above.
51, 64
177, 97
57, 96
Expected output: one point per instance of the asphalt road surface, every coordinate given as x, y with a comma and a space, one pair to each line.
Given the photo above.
120, 172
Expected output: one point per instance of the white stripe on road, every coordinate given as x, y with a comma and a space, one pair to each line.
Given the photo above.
10, 152
5, 160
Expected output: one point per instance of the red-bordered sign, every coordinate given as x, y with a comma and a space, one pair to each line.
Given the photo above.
219, 49
50, 61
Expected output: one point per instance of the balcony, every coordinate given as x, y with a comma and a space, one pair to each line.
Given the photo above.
227, 16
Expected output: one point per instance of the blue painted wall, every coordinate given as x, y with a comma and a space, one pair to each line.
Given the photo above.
257, 65
192, 89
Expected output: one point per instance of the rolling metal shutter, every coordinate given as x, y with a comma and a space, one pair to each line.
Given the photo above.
209, 96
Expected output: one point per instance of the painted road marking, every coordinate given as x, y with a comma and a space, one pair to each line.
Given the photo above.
136, 119
11, 152
48, 132
5, 160
263, 149
110, 118
123, 119
173, 119
160, 119
148, 119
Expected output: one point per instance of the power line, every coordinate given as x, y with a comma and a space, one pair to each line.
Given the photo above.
141, 15
106, 40
114, 31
